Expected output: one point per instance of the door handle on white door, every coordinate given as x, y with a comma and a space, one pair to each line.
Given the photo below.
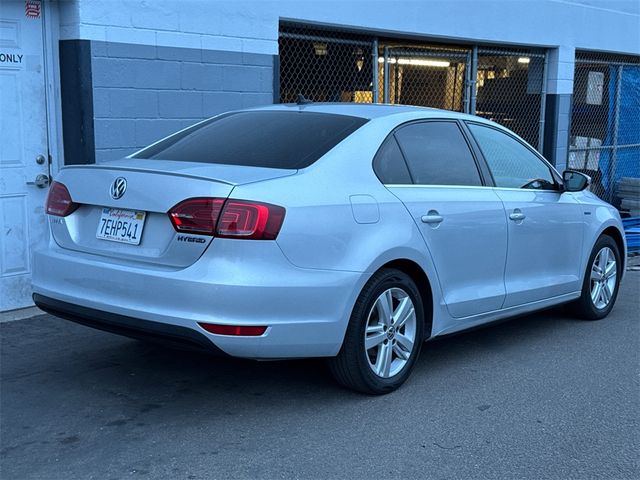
517, 215
432, 217
41, 181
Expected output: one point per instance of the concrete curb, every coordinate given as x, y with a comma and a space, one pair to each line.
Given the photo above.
20, 314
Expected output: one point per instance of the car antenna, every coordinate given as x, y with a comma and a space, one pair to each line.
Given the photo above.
303, 101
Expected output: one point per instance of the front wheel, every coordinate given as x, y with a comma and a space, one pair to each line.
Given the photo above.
601, 282
384, 336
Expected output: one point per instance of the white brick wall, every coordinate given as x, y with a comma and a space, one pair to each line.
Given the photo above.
252, 26
231, 26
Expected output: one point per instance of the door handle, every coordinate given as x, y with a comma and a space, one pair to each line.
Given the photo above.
41, 181
517, 215
432, 217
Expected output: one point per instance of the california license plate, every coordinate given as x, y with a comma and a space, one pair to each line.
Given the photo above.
118, 225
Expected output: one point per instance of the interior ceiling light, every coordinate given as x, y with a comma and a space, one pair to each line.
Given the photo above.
359, 59
320, 48
417, 62
524, 60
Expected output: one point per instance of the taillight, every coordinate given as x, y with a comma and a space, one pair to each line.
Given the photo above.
228, 219
250, 220
245, 331
59, 202
196, 215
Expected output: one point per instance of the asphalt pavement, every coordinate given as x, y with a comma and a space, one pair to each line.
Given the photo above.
541, 396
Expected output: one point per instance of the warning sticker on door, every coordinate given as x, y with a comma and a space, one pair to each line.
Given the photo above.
32, 8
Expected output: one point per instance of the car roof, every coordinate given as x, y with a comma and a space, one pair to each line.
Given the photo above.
366, 110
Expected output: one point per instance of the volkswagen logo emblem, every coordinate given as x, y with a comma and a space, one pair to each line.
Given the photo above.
391, 332
118, 187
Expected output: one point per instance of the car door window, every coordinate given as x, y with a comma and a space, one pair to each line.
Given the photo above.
437, 154
512, 164
389, 164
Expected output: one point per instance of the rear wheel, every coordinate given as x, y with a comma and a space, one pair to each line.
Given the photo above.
384, 335
601, 282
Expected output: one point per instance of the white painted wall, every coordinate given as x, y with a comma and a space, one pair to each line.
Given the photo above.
252, 26
214, 25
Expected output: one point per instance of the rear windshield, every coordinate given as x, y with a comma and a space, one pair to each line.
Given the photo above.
273, 139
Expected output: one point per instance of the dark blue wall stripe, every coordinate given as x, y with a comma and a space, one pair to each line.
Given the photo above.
76, 93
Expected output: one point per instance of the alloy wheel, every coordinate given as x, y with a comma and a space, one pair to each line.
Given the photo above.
604, 273
390, 333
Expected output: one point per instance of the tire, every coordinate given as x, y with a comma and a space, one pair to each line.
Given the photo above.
389, 360
592, 305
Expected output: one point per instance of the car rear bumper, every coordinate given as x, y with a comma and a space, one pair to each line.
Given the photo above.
127, 326
233, 283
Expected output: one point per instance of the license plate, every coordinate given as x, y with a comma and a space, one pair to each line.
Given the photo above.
118, 225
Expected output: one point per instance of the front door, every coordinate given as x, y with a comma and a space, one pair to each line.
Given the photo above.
24, 164
545, 224
545, 245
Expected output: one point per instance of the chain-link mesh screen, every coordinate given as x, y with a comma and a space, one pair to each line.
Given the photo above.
605, 127
336, 66
425, 76
509, 90
325, 65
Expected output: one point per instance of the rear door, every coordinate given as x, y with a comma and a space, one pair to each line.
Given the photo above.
462, 221
545, 224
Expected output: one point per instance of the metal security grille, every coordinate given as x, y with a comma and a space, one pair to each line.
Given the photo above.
505, 85
325, 66
426, 76
511, 90
605, 127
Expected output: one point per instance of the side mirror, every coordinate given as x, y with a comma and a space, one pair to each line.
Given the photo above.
575, 181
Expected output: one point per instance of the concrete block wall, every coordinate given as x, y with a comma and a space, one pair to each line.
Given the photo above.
252, 25
142, 93
561, 66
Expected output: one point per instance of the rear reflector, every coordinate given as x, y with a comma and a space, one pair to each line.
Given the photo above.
196, 215
247, 331
228, 219
59, 202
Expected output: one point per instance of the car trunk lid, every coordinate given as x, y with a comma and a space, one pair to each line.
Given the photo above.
153, 187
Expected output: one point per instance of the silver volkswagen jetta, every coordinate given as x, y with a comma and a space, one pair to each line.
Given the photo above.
353, 232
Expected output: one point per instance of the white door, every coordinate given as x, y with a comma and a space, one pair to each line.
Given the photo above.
24, 164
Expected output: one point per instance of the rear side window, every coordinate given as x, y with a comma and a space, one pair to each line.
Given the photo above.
389, 164
437, 154
273, 139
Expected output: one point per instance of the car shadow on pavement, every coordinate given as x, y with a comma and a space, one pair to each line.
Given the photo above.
152, 375
156, 374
